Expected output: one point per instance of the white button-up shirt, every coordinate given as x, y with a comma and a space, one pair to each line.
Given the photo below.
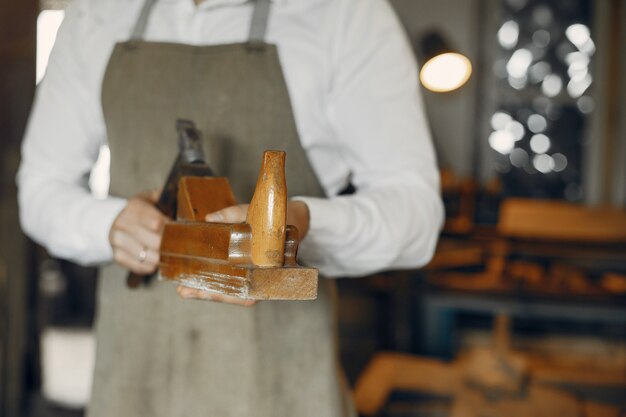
353, 85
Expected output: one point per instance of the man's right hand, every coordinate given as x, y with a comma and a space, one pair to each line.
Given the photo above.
136, 234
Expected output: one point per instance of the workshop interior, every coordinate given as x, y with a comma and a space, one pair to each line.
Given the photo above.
522, 309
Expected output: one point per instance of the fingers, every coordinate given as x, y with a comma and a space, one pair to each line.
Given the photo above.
151, 221
194, 294
147, 238
139, 216
133, 262
152, 196
297, 215
232, 214
134, 254
142, 214
134, 247
135, 236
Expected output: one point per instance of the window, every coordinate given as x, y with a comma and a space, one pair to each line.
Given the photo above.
543, 71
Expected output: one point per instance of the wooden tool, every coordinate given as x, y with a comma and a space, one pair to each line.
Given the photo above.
190, 161
252, 260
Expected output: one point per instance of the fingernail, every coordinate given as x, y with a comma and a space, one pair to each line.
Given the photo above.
214, 217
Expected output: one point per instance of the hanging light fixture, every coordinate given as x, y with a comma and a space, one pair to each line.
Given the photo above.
443, 69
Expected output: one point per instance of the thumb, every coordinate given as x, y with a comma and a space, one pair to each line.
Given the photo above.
232, 214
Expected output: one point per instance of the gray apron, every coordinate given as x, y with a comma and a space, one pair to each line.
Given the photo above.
158, 355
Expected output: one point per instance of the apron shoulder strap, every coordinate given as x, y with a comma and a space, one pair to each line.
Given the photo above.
258, 24
142, 20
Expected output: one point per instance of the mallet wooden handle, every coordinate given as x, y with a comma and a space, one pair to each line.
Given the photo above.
267, 214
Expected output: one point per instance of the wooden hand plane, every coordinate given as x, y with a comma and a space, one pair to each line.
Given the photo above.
189, 162
252, 260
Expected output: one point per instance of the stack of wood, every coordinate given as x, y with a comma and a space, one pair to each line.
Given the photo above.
495, 381
539, 247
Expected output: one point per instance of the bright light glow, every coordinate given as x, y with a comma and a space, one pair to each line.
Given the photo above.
518, 83
499, 120
577, 87
99, 179
560, 162
578, 59
48, 23
543, 163
537, 123
579, 35
519, 62
502, 141
589, 47
508, 34
518, 157
540, 143
577, 73
578, 65
552, 85
516, 129
445, 72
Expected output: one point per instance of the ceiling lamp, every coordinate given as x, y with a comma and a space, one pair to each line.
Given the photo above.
443, 69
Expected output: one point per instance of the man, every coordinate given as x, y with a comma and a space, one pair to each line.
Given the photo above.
331, 82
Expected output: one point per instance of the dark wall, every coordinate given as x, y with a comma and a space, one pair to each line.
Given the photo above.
452, 115
17, 84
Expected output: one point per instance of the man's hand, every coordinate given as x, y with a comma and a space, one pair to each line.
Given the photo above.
192, 293
136, 234
297, 215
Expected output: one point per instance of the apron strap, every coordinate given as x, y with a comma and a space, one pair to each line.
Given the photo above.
142, 20
258, 24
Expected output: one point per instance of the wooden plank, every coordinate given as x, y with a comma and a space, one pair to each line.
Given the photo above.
388, 371
456, 258
593, 409
560, 221
216, 257
581, 376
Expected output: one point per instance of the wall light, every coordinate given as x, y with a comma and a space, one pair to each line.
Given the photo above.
443, 69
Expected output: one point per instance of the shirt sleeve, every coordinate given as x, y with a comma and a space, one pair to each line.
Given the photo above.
376, 112
62, 141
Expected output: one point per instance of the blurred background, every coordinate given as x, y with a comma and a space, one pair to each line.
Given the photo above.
522, 311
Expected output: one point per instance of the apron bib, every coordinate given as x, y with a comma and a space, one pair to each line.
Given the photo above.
158, 355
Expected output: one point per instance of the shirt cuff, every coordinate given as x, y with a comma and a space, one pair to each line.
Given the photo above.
320, 216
